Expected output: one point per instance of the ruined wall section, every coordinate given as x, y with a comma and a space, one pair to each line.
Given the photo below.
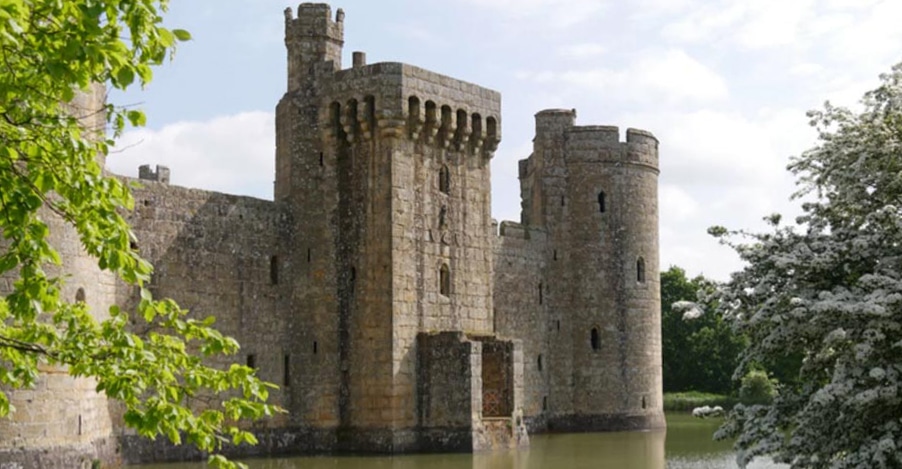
219, 255
520, 310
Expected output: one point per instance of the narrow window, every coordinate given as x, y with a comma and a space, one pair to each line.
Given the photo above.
308, 255
321, 158
353, 274
442, 216
314, 347
79, 424
286, 370
643, 402
595, 340
540, 292
558, 324
640, 270
80, 295
445, 280
544, 403
555, 254
539, 362
274, 270
563, 201
601, 206
252, 361
444, 180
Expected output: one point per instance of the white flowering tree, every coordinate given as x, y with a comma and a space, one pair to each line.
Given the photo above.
829, 289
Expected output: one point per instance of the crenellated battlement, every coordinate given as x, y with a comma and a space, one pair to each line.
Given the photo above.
314, 42
392, 99
602, 144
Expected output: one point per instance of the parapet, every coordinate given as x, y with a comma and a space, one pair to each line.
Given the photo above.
400, 100
160, 175
602, 144
314, 19
514, 230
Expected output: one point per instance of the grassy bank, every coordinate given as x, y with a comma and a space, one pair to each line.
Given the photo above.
686, 401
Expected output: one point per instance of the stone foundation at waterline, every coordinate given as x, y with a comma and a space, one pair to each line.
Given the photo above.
376, 290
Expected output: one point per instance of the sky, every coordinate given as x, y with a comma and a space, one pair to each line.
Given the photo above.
723, 84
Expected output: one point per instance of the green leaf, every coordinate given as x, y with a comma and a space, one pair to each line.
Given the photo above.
181, 35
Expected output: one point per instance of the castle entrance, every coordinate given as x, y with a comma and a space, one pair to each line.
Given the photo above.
497, 380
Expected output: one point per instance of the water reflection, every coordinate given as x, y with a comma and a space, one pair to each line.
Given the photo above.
687, 444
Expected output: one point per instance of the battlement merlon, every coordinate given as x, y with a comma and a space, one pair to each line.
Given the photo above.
161, 174
400, 100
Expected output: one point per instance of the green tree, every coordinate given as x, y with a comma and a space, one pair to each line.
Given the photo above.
50, 50
699, 349
828, 288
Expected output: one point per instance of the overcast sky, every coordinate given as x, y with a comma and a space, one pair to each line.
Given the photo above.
723, 84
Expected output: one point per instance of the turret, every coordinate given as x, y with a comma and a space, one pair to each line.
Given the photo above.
313, 39
596, 198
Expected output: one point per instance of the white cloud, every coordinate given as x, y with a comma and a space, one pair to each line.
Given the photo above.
554, 14
582, 50
676, 202
233, 154
671, 75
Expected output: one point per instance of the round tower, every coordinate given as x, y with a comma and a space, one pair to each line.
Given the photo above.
614, 294
62, 421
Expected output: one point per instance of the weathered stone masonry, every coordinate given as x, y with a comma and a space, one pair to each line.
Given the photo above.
375, 288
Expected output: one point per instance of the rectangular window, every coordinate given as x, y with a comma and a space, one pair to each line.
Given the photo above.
286, 371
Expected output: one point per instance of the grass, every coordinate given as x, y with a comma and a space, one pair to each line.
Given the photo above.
686, 401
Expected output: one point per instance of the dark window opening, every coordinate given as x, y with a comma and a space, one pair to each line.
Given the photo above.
544, 403
314, 347
445, 280
563, 201
595, 340
558, 324
308, 255
274, 270
643, 402
79, 424
555, 254
321, 158
539, 362
640, 270
286, 370
540, 292
335, 117
80, 295
601, 205
413, 110
442, 216
353, 274
444, 180
252, 361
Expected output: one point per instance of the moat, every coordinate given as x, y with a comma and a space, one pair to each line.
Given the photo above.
687, 444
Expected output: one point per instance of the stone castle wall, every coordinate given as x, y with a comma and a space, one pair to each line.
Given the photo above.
377, 291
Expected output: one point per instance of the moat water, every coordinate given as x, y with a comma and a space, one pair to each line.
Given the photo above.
687, 444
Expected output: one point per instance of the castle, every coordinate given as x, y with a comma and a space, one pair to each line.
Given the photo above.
377, 291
